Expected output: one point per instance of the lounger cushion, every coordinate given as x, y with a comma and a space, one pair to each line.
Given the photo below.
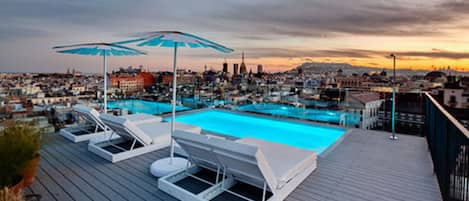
188, 128
165, 128
157, 132
286, 161
126, 128
147, 133
245, 162
162, 130
90, 114
197, 148
142, 118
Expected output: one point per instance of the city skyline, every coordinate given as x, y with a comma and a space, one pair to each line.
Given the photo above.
279, 35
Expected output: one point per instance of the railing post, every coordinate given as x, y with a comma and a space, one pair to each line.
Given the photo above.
446, 170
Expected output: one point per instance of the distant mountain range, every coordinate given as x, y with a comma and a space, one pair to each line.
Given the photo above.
348, 69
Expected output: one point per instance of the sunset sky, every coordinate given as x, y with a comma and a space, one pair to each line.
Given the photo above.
280, 34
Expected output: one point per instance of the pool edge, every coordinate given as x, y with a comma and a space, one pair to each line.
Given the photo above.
323, 154
337, 142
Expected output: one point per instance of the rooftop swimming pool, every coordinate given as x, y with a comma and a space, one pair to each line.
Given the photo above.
306, 136
141, 106
328, 116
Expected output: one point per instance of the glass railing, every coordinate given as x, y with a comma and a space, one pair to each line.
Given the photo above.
326, 116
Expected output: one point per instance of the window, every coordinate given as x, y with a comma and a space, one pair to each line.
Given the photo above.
452, 99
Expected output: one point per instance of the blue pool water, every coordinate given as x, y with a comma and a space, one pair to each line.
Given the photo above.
308, 114
312, 137
147, 107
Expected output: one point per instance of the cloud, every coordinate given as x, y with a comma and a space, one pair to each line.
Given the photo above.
315, 18
354, 53
440, 54
18, 32
260, 27
250, 20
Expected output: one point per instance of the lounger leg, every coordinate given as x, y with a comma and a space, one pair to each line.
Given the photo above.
112, 144
133, 144
222, 184
264, 191
188, 164
218, 173
110, 137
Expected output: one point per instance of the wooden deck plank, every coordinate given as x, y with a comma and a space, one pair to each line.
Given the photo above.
124, 178
39, 189
74, 178
53, 189
73, 189
89, 183
365, 166
115, 182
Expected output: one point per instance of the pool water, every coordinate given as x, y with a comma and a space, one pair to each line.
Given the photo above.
306, 136
329, 116
141, 106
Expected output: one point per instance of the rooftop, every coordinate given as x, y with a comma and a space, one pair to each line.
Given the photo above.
364, 166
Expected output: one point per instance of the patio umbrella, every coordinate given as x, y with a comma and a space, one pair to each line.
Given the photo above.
173, 39
99, 49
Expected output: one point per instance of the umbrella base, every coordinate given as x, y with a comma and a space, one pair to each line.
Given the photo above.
163, 166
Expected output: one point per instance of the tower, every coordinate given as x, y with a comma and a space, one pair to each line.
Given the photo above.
235, 69
260, 69
242, 68
225, 67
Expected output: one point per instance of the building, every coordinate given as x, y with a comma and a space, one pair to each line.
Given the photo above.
242, 69
225, 67
77, 89
126, 82
131, 79
350, 82
456, 98
436, 76
260, 69
148, 79
367, 105
131, 84
235, 69
166, 78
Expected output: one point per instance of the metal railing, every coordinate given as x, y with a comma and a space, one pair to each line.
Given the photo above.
448, 141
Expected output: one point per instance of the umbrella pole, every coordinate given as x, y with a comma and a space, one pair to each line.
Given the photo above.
173, 117
165, 166
105, 82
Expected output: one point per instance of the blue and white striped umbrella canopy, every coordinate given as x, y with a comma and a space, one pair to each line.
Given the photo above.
171, 39
98, 49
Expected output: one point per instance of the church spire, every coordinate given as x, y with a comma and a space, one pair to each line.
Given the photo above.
242, 57
242, 68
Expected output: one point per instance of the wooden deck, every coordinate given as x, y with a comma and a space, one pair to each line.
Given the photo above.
365, 166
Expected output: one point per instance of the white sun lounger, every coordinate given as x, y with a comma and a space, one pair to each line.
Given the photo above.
135, 138
94, 128
272, 167
267, 165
